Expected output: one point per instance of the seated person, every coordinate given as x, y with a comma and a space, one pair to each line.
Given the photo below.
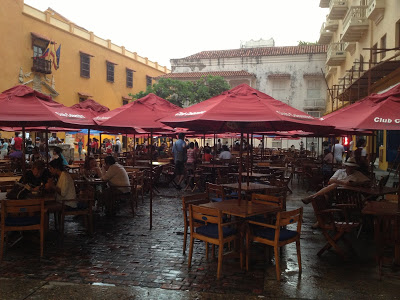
35, 156
117, 179
57, 153
65, 187
207, 155
91, 169
347, 177
37, 177
225, 154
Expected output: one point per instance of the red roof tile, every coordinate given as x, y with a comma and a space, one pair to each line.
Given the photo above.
200, 74
262, 51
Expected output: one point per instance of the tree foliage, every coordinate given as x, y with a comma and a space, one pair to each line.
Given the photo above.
181, 92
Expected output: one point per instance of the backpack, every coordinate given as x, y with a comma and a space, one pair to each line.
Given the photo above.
18, 192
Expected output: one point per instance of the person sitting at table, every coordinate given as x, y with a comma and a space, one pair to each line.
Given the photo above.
35, 156
327, 162
225, 154
118, 181
207, 155
57, 154
348, 176
65, 187
91, 169
37, 177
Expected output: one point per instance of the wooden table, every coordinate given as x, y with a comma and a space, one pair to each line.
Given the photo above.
254, 175
73, 168
251, 187
245, 210
383, 211
9, 178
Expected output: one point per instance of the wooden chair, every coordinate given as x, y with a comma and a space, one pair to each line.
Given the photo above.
215, 192
267, 199
332, 229
22, 215
195, 199
277, 235
138, 183
215, 232
85, 201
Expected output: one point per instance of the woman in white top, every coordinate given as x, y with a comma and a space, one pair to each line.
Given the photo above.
225, 154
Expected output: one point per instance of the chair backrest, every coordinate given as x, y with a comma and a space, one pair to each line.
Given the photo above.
215, 191
204, 214
23, 208
267, 199
320, 204
291, 217
195, 199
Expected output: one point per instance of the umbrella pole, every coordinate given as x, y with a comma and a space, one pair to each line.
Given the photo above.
240, 167
47, 146
134, 149
151, 179
100, 146
23, 151
251, 153
215, 146
88, 144
247, 159
126, 142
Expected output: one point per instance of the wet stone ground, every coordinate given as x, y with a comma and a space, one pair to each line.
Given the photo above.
125, 260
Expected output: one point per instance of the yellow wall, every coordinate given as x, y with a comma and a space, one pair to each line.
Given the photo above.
18, 20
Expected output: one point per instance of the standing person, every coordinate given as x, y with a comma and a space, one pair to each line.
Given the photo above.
4, 148
301, 146
338, 151
360, 155
312, 149
17, 142
118, 145
109, 147
219, 146
80, 147
191, 157
95, 146
179, 151
350, 150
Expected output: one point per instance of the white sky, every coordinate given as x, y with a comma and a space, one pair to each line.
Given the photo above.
165, 29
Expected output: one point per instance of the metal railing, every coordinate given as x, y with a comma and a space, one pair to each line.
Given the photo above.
41, 65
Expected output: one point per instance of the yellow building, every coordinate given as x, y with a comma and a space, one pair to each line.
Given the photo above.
363, 38
90, 67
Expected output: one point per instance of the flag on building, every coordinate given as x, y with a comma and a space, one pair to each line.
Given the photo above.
57, 61
51, 53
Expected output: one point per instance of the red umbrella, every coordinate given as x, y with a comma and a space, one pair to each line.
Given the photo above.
92, 106
143, 113
243, 109
375, 112
22, 105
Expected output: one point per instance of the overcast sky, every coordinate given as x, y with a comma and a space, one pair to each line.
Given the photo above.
165, 29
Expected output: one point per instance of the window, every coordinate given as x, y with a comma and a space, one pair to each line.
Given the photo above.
314, 89
276, 143
129, 78
37, 51
383, 46
280, 88
314, 113
110, 72
81, 99
125, 100
149, 80
85, 65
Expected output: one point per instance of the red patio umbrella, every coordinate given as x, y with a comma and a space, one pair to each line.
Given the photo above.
92, 106
375, 112
143, 113
243, 109
21, 106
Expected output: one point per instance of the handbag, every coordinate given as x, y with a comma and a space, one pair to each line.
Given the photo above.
18, 192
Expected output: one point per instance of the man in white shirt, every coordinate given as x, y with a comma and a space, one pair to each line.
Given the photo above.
225, 154
347, 177
338, 151
118, 145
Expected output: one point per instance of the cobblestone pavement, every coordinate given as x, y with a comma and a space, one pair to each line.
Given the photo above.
126, 260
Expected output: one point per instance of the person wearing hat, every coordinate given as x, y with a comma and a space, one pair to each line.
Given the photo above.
348, 176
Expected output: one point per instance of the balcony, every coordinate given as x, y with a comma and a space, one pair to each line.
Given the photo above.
324, 3
376, 10
314, 104
355, 24
41, 65
325, 36
336, 54
331, 25
337, 9
330, 70
350, 47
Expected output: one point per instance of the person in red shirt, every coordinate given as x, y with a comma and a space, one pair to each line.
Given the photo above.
109, 147
95, 146
207, 155
17, 142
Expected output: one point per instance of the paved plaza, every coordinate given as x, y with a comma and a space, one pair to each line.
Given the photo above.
126, 260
